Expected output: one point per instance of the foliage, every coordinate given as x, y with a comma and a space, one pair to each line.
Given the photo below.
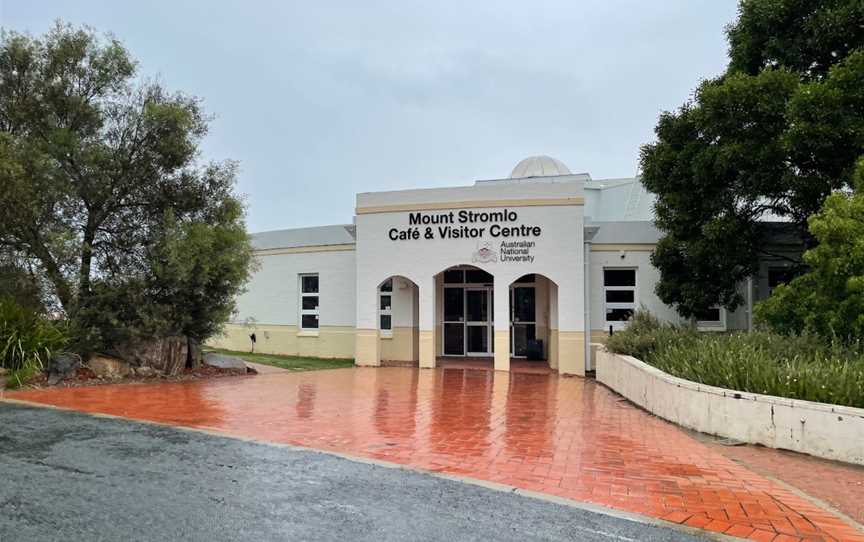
829, 299
27, 340
20, 284
104, 194
292, 363
792, 33
772, 137
798, 367
645, 334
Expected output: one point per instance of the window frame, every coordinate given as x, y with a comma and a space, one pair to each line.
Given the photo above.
316, 312
617, 324
388, 311
713, 325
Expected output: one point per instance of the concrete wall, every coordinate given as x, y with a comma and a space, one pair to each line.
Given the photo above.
828, 431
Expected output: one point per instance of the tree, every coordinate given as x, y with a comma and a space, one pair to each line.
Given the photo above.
769, 139
829, 299
103, 191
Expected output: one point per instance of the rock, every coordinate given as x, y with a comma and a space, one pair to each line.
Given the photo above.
145, 371
225, 362
167, 355
107, 367
61, 367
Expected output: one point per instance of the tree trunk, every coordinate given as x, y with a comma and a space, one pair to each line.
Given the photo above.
193, 359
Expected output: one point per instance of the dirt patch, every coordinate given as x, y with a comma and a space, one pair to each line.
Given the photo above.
84, 376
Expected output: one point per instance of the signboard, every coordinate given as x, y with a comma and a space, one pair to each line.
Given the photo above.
464, 224
515, 244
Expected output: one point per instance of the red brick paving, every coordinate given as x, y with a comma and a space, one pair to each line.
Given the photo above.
562, 436
839, 484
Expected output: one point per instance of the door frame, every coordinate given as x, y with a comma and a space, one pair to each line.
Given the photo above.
514, 323
488, 324
445, 322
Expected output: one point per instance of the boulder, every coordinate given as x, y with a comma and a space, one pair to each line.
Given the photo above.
61, 367
167, 355
224, 362
108, 367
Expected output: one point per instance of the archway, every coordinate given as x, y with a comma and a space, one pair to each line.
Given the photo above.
534, 319
464, 313
397, 301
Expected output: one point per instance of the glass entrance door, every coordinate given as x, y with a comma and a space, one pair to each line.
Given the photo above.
454, 321
523, 323
478, 321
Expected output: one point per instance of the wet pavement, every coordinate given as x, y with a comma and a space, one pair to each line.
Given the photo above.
562, 436
67, 476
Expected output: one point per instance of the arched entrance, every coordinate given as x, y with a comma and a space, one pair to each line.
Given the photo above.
465, 312
534, 319
398, 315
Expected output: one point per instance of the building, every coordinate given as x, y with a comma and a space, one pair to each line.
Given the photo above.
538, 265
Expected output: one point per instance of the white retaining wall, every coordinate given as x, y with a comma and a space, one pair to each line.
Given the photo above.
829, 431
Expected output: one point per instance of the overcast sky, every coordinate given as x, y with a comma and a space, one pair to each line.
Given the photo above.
319, 100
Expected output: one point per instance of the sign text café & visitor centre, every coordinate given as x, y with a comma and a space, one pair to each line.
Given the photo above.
536, 266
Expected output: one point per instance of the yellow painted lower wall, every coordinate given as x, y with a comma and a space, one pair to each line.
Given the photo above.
502, 350
367, 349
571, 353
553, 348
599, 336
402, 345
428, 359
329, 342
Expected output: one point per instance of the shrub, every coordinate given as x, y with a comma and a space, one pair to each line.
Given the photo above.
796, 367
27, 341
645, 334
828, 300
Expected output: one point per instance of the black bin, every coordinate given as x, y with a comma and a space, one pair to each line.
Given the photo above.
534, 351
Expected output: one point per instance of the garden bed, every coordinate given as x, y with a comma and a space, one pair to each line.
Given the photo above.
793, 367
85, 377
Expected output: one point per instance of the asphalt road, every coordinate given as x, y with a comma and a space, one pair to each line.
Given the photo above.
68, 476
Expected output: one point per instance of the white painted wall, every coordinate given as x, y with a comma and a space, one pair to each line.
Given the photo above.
829, 431
558, 255
272, 293
646, 277
404, 308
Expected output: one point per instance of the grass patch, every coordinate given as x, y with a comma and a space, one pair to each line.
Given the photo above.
796, 367
291, 363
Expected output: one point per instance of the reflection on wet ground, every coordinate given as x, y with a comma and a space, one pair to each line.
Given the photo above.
564, 436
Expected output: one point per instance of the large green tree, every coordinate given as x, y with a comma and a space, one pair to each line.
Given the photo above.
104, 193
769, 139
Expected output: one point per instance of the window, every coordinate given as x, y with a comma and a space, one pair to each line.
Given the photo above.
619, 296
309, 302
454, 276
468, 276
385, 308
778, 276
478, 276
712, 319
